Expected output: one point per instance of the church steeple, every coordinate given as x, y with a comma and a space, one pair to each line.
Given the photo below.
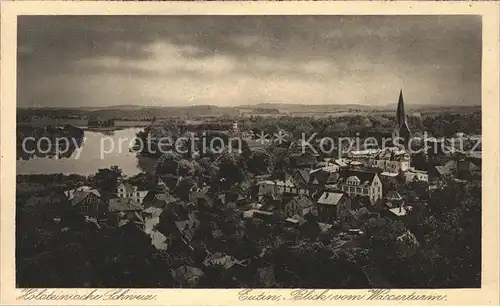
401, 129
400, 112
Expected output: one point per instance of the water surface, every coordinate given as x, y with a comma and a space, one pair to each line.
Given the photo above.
88, 159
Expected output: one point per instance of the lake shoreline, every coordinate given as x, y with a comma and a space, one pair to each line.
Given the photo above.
88, 158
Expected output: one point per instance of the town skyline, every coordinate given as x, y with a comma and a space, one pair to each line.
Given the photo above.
233, 61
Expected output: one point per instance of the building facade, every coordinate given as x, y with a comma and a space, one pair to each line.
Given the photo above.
129, 191
361, 183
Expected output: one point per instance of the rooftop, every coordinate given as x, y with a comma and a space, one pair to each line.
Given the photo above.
330, 198
123, 204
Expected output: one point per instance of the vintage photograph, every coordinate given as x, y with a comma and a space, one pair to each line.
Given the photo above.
254, 151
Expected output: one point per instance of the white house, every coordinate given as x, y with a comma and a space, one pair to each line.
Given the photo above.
129, 191
279, 187
391, 159
361, 183
416, 175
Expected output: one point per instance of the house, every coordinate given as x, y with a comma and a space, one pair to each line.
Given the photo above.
257, 213
294, 221
151, 221
300, 179
392, 159
461, 168
158, 199
333, 206
361, 183
123, 210
276, 187
444, 171
393, 199
88, 203
129, 191
272, 203
364, 156
151, 212
299, 205
413, 175
399, 212
70, 193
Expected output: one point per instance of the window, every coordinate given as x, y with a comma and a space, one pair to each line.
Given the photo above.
84, 209
137, 194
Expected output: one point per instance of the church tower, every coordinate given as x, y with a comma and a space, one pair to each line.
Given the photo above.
401, 134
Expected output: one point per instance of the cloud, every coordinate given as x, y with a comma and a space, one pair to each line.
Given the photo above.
230, 60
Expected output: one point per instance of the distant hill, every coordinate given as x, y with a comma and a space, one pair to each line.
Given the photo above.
136, 112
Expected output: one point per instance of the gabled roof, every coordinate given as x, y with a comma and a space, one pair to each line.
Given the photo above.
330, 198
324, 227
301, 177
389, 174
400, 211
158, 199
392, 153
167, 198
70, 193
363, 176
123, 204
128, 187
342, 162
79, 196
443, 170
302, 201
393, 195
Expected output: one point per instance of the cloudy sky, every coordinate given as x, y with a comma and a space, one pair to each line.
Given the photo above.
235, 60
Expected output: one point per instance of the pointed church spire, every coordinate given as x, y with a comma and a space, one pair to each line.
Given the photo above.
401, 128
400, 112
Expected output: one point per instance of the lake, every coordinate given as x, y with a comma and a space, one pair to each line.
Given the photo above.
88, 159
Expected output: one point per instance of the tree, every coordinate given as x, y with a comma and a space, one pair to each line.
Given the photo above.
258, 162
230, 169
106, 180
168, 163
183, 188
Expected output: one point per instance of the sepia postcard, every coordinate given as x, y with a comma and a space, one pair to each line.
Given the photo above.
218, 153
